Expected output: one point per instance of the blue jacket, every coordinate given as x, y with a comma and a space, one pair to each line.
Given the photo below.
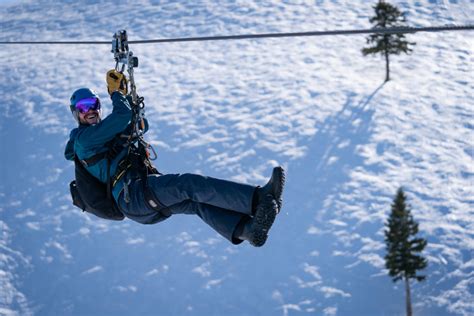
88, 140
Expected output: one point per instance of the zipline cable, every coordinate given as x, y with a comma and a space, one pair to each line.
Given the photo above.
392, 30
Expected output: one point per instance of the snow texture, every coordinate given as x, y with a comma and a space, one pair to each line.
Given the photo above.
235, 109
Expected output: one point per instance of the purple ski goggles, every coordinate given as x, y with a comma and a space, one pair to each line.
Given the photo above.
87, 104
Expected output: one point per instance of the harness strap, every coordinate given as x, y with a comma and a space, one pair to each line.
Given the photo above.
94, 159
124, 165
122, 169
114, 147
152, 202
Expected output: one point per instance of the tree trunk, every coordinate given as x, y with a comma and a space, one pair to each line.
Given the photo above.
408, 296
387, 67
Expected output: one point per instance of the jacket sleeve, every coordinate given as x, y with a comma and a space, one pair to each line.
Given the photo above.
69, 150
114, 123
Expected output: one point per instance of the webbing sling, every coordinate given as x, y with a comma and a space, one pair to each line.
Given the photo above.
94, 159
113, 149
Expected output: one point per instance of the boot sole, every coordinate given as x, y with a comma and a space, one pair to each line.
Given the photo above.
263, 221
279, 174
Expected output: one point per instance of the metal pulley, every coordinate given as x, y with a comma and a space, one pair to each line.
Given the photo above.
123, 56
120, 49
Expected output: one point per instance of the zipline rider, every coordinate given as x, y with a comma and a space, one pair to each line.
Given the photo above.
111, 154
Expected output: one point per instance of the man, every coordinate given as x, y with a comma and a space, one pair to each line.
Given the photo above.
237, 211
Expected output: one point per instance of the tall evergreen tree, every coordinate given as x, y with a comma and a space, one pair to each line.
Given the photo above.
387, 15
403, 259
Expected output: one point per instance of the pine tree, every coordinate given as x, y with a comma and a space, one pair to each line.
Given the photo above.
387, 15
403, 259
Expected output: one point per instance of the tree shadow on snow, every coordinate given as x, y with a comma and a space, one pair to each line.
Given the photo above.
312, 181
331, 154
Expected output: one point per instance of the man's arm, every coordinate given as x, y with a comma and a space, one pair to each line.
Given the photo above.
113, 124
69, 150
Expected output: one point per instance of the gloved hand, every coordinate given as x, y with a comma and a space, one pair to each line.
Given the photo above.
116, 81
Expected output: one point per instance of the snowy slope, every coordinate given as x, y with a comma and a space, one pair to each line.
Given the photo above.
233, 110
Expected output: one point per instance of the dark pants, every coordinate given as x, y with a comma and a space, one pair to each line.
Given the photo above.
221, 204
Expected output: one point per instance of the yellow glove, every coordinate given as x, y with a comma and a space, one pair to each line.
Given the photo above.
116, 81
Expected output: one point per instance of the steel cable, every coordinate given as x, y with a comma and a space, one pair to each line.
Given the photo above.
392, 30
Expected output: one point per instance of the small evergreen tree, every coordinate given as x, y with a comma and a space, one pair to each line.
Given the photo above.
403, 259
387, 15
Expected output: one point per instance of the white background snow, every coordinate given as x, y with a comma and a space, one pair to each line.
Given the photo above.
235, 109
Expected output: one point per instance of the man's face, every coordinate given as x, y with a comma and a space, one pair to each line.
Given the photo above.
90, 117
89, 110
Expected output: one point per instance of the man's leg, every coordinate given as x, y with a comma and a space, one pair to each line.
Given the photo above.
234, 210
172, 189
221, 220
134, 206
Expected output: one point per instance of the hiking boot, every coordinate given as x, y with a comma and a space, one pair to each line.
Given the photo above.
274, 187
256, 229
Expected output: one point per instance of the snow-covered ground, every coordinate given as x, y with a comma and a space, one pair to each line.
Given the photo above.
234, 109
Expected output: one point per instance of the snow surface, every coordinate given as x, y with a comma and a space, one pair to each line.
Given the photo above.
234, 110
